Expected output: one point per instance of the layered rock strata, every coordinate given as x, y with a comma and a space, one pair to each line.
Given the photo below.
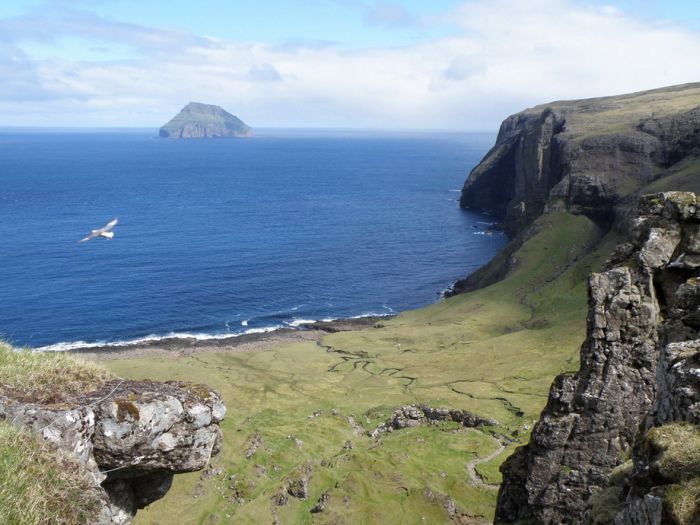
132, 436
640, 368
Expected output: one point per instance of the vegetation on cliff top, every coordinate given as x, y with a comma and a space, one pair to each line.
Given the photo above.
46, 377
622, 113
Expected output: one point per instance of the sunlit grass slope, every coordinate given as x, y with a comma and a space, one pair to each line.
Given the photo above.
493, 352
40, 377
622, 113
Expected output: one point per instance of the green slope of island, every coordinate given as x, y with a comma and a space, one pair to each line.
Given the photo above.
204, 121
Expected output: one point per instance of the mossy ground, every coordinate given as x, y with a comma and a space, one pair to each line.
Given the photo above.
493, 352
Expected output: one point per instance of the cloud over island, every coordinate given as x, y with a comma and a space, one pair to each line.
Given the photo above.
61, 65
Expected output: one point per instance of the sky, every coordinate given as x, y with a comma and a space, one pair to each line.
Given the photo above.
374, 64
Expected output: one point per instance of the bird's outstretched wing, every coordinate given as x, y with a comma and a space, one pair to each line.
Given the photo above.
86, 239
111, 224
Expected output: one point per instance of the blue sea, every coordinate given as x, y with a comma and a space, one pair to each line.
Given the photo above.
223, 237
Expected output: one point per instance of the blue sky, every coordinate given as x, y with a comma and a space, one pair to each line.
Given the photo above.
456, 64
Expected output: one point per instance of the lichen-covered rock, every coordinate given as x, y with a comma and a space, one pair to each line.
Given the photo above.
133, 436
150, 426
640, 367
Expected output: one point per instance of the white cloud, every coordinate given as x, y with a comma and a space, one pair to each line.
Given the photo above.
508, 55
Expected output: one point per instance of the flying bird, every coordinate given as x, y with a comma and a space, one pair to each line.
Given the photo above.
105, 231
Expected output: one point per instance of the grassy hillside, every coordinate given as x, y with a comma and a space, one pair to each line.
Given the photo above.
305, 407
622, 113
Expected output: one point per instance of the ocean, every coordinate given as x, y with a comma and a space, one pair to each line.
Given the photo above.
223, 237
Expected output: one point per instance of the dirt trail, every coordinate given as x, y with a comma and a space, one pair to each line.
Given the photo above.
471, 468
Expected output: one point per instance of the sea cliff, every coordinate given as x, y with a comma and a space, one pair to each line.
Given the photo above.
584, 156
591, 157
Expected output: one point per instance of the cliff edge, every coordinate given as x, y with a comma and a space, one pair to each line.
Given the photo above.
584, 156
618, 441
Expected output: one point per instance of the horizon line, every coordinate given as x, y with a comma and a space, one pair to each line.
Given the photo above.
261, 128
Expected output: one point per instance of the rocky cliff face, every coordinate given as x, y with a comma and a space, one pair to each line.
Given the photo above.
133, 436
204, 121
583, 156
640, 369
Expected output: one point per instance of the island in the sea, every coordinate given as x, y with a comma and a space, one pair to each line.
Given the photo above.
204, 121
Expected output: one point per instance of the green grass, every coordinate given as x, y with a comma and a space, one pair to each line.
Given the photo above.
493, 352
46, 377
678, 445
41, 485
621, 114
685, 176
675, 449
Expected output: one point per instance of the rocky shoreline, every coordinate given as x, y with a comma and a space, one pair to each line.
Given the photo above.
175, 346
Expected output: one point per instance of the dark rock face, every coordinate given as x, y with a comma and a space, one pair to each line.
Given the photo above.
580, 156
515, 177
639, 368
204, 121
133, 436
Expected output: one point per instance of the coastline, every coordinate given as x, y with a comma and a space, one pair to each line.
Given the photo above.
245, 342
256, 339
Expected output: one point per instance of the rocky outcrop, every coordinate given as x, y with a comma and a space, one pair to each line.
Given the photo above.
204, 121
416, 415
584, 156
133, 437
639, 369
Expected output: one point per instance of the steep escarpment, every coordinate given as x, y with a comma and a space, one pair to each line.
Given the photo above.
584, 156
129, 438
637, 392
204, 121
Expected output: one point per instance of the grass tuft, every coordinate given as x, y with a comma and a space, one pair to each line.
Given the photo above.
682, 503
42, 485
43, 377
679, 446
